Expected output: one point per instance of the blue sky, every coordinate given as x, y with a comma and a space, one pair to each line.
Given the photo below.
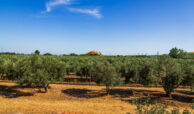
125, 27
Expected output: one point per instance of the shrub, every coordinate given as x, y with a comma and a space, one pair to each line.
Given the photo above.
146, 108
155, 108
186, 112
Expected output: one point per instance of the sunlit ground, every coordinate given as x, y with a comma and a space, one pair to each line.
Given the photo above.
87, 99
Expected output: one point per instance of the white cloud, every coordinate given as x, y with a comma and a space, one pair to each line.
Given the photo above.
54, 3
94, 12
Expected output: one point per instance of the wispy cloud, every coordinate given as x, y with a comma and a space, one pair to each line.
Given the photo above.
94, 12
54, 3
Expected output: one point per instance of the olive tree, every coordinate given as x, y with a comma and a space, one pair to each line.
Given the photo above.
147, 74
106, 74
39, 71
1, 67
129, 70
171, 74
10, 69
188, 77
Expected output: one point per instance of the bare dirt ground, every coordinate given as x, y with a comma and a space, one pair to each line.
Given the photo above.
86, 99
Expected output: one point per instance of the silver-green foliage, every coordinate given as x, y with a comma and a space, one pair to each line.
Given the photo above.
37, 71
171, 74
105, 73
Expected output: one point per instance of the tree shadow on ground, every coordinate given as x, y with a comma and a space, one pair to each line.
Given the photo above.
161, 98
74, 83
154, 95
12, 92
125, 93
185, 92
128, 95
175, 96
83, 93
181, 98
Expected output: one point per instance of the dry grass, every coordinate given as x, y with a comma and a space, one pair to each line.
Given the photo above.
83, 99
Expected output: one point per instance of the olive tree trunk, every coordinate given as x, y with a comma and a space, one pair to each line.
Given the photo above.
168, 94
107, 90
